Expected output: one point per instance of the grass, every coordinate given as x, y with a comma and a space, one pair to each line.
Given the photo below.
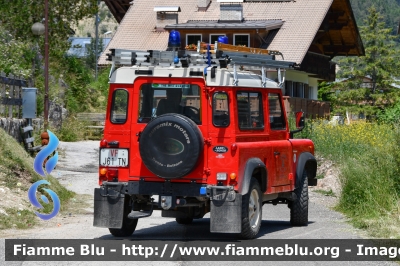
17, 174
368, 155
72, 130
21, 219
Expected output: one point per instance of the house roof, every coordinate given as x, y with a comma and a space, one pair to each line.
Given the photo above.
317, 24
250, 24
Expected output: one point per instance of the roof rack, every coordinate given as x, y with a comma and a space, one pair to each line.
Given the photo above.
218, 54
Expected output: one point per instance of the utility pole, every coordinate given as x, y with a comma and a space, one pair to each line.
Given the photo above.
46, 65
97, 38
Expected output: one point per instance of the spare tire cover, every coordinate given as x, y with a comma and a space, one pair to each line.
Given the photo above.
171, 145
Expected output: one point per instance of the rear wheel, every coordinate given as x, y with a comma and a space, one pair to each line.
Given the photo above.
251, 211
299, 207
128, 227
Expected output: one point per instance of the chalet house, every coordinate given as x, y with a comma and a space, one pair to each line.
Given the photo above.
307, 32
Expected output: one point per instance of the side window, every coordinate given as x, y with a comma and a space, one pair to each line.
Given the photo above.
221, 110
119, 107
276, 116
250, 110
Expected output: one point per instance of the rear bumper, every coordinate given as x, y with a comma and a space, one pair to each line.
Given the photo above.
156, 188
224, 193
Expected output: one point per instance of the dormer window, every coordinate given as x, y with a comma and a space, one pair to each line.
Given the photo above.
166, 15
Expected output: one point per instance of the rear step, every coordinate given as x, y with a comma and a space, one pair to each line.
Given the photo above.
140, 214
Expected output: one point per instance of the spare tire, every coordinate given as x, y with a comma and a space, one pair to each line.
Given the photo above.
171, 145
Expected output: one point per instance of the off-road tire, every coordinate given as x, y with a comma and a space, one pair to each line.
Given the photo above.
128, 227
184, 220
171, 145
251, 215
299, 207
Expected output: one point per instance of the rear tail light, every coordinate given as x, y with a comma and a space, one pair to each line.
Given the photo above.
103, 171
232, 176
112, 173
103, 143
232, 180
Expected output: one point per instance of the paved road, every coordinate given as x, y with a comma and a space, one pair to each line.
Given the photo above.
77, 169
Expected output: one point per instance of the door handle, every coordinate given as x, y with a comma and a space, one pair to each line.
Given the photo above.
277, 153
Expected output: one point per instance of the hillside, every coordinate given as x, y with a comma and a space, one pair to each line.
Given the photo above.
16, 176
107, 23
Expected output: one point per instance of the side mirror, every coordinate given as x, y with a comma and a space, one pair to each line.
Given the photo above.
300, 120
299, 123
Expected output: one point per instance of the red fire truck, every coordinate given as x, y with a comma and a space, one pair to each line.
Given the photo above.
196, 132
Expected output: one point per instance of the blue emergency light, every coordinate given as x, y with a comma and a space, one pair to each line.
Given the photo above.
174, 40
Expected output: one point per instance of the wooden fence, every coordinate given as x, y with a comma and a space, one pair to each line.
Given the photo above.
11, 96
311, 108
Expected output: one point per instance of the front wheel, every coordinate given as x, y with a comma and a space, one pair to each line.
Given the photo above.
251, 211
299, 207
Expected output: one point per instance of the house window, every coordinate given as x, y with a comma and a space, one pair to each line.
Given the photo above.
298, 89
241, 39
307, 91
214, 37
193, 38
289, 88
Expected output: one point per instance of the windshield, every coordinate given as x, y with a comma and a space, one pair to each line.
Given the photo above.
157, 99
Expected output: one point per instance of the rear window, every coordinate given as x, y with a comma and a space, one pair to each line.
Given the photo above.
158, 99
119, 107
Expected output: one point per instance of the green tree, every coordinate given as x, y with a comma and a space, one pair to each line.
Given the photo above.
390, 9
16, 55
16, 20
90, 55
18, 16
379, 64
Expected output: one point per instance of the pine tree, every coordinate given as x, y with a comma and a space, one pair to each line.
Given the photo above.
380, 65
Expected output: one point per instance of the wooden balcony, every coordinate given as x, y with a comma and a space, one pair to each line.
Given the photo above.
311, 108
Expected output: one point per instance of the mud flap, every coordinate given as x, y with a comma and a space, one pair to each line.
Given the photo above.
226, 216
108, 208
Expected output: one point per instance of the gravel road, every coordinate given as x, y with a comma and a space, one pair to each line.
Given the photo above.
77, 170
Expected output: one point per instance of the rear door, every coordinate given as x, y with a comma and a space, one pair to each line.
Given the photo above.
117, 130
150, 101
279, 139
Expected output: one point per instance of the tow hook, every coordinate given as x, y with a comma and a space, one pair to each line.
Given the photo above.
166, 202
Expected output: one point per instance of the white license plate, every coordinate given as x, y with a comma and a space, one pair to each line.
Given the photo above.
114, 157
